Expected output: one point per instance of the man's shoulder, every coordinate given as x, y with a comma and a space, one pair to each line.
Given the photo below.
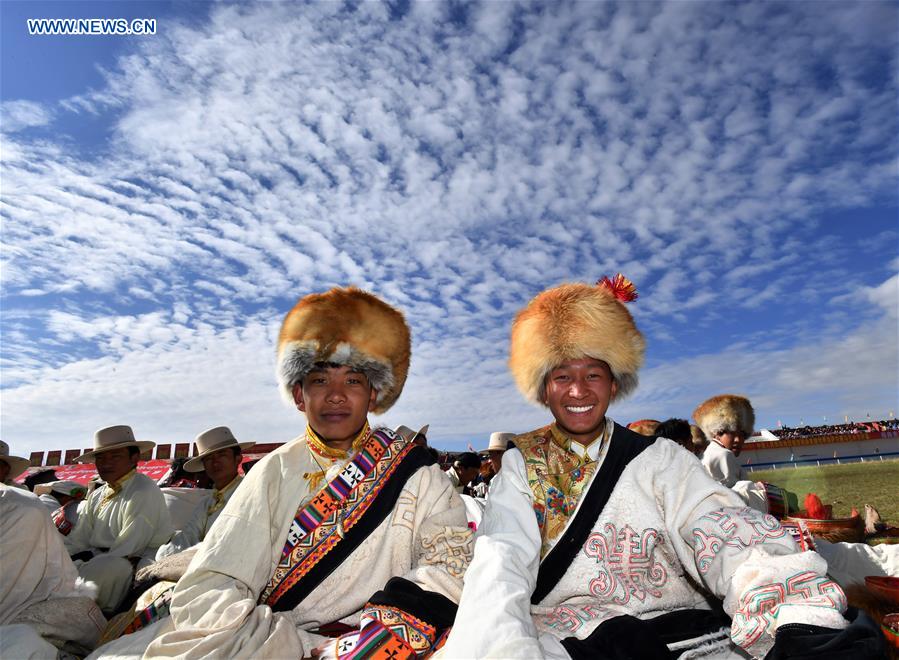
527, 442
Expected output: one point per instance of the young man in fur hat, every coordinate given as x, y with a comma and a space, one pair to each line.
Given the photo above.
347, 526
727, 420
123, 523
599, 542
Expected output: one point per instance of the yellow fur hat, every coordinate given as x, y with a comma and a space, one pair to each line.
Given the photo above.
346, 326
644, 427
573, 321
725, 412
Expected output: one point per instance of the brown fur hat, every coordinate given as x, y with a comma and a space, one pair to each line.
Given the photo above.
725, 412
573, 321
346, 326
644, 427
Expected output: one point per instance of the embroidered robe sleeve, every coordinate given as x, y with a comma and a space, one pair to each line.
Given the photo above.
214, 607
741, 555
494, 617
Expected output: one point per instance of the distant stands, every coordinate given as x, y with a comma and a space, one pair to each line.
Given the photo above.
787, 432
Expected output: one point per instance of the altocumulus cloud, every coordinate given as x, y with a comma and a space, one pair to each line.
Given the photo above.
457, 160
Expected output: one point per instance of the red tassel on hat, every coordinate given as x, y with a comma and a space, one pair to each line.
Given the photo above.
620, 287
815, 507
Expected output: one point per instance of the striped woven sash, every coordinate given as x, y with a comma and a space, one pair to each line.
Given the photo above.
328, 520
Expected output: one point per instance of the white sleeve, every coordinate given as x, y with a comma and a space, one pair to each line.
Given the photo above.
753, 493
503, 574
743, 556
190, 535
721, 464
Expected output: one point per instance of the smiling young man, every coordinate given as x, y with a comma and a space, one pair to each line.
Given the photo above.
599, 542
347, 528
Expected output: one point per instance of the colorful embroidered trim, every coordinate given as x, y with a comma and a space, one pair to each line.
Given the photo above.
419, 635
317, 526
798, 529
374, 642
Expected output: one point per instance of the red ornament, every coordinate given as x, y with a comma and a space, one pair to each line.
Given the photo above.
620, 287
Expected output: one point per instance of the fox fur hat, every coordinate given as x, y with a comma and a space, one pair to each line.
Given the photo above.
346, 326
645, 427
725, 412
573, 321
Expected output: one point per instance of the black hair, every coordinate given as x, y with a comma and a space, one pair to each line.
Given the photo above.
677, 430
468, 460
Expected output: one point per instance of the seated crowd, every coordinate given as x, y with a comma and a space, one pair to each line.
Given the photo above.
579, 539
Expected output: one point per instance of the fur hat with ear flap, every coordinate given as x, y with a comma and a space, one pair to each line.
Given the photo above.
725, 412
574, 321
349, 327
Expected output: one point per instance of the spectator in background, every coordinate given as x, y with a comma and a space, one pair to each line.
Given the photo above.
499, 443
700, 442
11, 466
219, 455
44, 476
62, 499
123, 523
645, 427
464, 469
677, 430
727, 420
417, 437
482, 486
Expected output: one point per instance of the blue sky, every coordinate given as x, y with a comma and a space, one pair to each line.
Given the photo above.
166, 199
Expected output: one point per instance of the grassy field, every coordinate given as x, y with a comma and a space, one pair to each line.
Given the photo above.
844, 486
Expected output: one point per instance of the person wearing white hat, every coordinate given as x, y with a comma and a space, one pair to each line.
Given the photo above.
62, 499
44, 605
220, 455
11, 466
599, 542
346, 523
123, 523
496, 447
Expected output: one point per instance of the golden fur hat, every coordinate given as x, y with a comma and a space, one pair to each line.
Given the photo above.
573, 321
725, 412
644, 427
346, 326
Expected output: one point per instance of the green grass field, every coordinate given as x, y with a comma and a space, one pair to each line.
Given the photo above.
844, 486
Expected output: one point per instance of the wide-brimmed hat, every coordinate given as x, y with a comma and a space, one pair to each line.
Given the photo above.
212, 441
499, 441
409, 434
114, 437
17, 464
575, 321
725, 412
348, 327
65, 487
644, 427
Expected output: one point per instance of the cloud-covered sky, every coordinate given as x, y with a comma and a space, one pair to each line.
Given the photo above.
161, 213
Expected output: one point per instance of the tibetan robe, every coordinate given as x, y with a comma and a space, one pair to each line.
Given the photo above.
668, 545
275, 568
204, 514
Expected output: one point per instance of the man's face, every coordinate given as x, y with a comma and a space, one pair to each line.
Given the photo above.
578, 394
4, 471
496, 459
732, 440
336, 401
114, 464
466, 474
221, 466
